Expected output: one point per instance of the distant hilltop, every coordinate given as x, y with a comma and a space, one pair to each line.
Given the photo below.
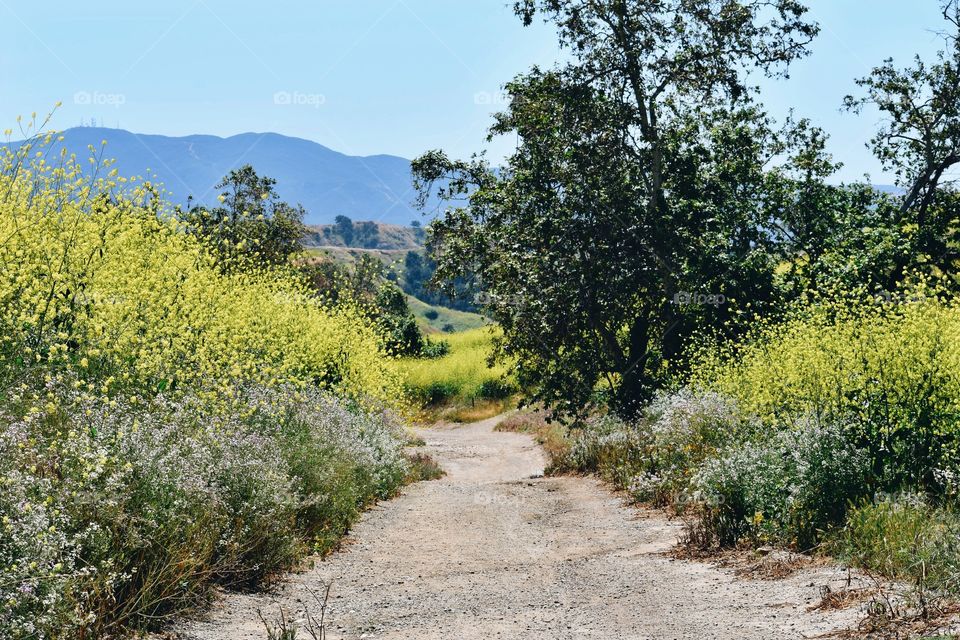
327, 183
365, 234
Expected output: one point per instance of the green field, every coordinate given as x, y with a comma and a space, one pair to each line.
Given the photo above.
445, 319
461, 380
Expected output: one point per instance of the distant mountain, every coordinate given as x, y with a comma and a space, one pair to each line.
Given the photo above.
327, 183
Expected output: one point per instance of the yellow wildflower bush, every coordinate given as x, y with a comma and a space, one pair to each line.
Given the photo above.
97, 278
167, 422
889, 370
462, 372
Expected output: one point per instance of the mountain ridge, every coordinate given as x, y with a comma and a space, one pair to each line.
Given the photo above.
325, 181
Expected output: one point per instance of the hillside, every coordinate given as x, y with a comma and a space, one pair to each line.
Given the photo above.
432, 318
366, 235
327, 183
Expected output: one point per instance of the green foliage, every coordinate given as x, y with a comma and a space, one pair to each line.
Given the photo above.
638, 176
418, 271
655, 457
401, 333
903, 537
122, 512
786, 488
461, 374
344, 227
496, 389
253, 227
888, 371
435, 349
920, 137
366, 286
174, 415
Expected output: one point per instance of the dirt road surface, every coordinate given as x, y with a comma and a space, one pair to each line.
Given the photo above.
493, 550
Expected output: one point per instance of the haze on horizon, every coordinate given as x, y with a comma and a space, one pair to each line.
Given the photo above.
386, 77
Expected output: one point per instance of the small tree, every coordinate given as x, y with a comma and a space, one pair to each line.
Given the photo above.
920, 142
366, 286
344, 228
252, 227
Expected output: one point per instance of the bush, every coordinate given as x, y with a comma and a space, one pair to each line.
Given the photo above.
786, 488
165, 424
902, 536
100, 282
118, 513
889, 371
461, 374
655, 457
398, 327
438, 349
438, 392
496, 389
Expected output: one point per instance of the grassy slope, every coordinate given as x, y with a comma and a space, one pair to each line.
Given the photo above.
393, 259
460, 320
459, 386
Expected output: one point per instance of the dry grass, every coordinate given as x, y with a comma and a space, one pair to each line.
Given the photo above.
836, 599
423, 467
552, 436
470, 411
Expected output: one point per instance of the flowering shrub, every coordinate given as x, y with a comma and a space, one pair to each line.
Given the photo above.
905, 537
165, 424
99, 281
890, 372
460, 373
123, 511
785, 488
656, 457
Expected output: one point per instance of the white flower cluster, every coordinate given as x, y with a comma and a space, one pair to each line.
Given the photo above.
115, 511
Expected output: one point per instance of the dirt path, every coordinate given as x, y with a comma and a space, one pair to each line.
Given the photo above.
494, 551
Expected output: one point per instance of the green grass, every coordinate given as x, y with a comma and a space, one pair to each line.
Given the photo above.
431, 318
434, 319
906, 539
461, 379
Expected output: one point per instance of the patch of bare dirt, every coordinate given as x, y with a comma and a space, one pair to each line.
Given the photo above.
495, 550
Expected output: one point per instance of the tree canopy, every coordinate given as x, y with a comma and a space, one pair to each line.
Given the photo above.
252, 226
650, 197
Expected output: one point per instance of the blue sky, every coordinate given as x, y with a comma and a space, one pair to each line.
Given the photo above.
369, 76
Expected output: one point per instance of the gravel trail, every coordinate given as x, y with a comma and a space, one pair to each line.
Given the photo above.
493, 550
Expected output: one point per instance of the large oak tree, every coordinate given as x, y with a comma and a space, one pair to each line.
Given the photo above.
637, 188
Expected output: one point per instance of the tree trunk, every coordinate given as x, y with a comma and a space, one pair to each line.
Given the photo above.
635, 385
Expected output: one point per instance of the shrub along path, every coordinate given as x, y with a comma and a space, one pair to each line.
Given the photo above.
492, 550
